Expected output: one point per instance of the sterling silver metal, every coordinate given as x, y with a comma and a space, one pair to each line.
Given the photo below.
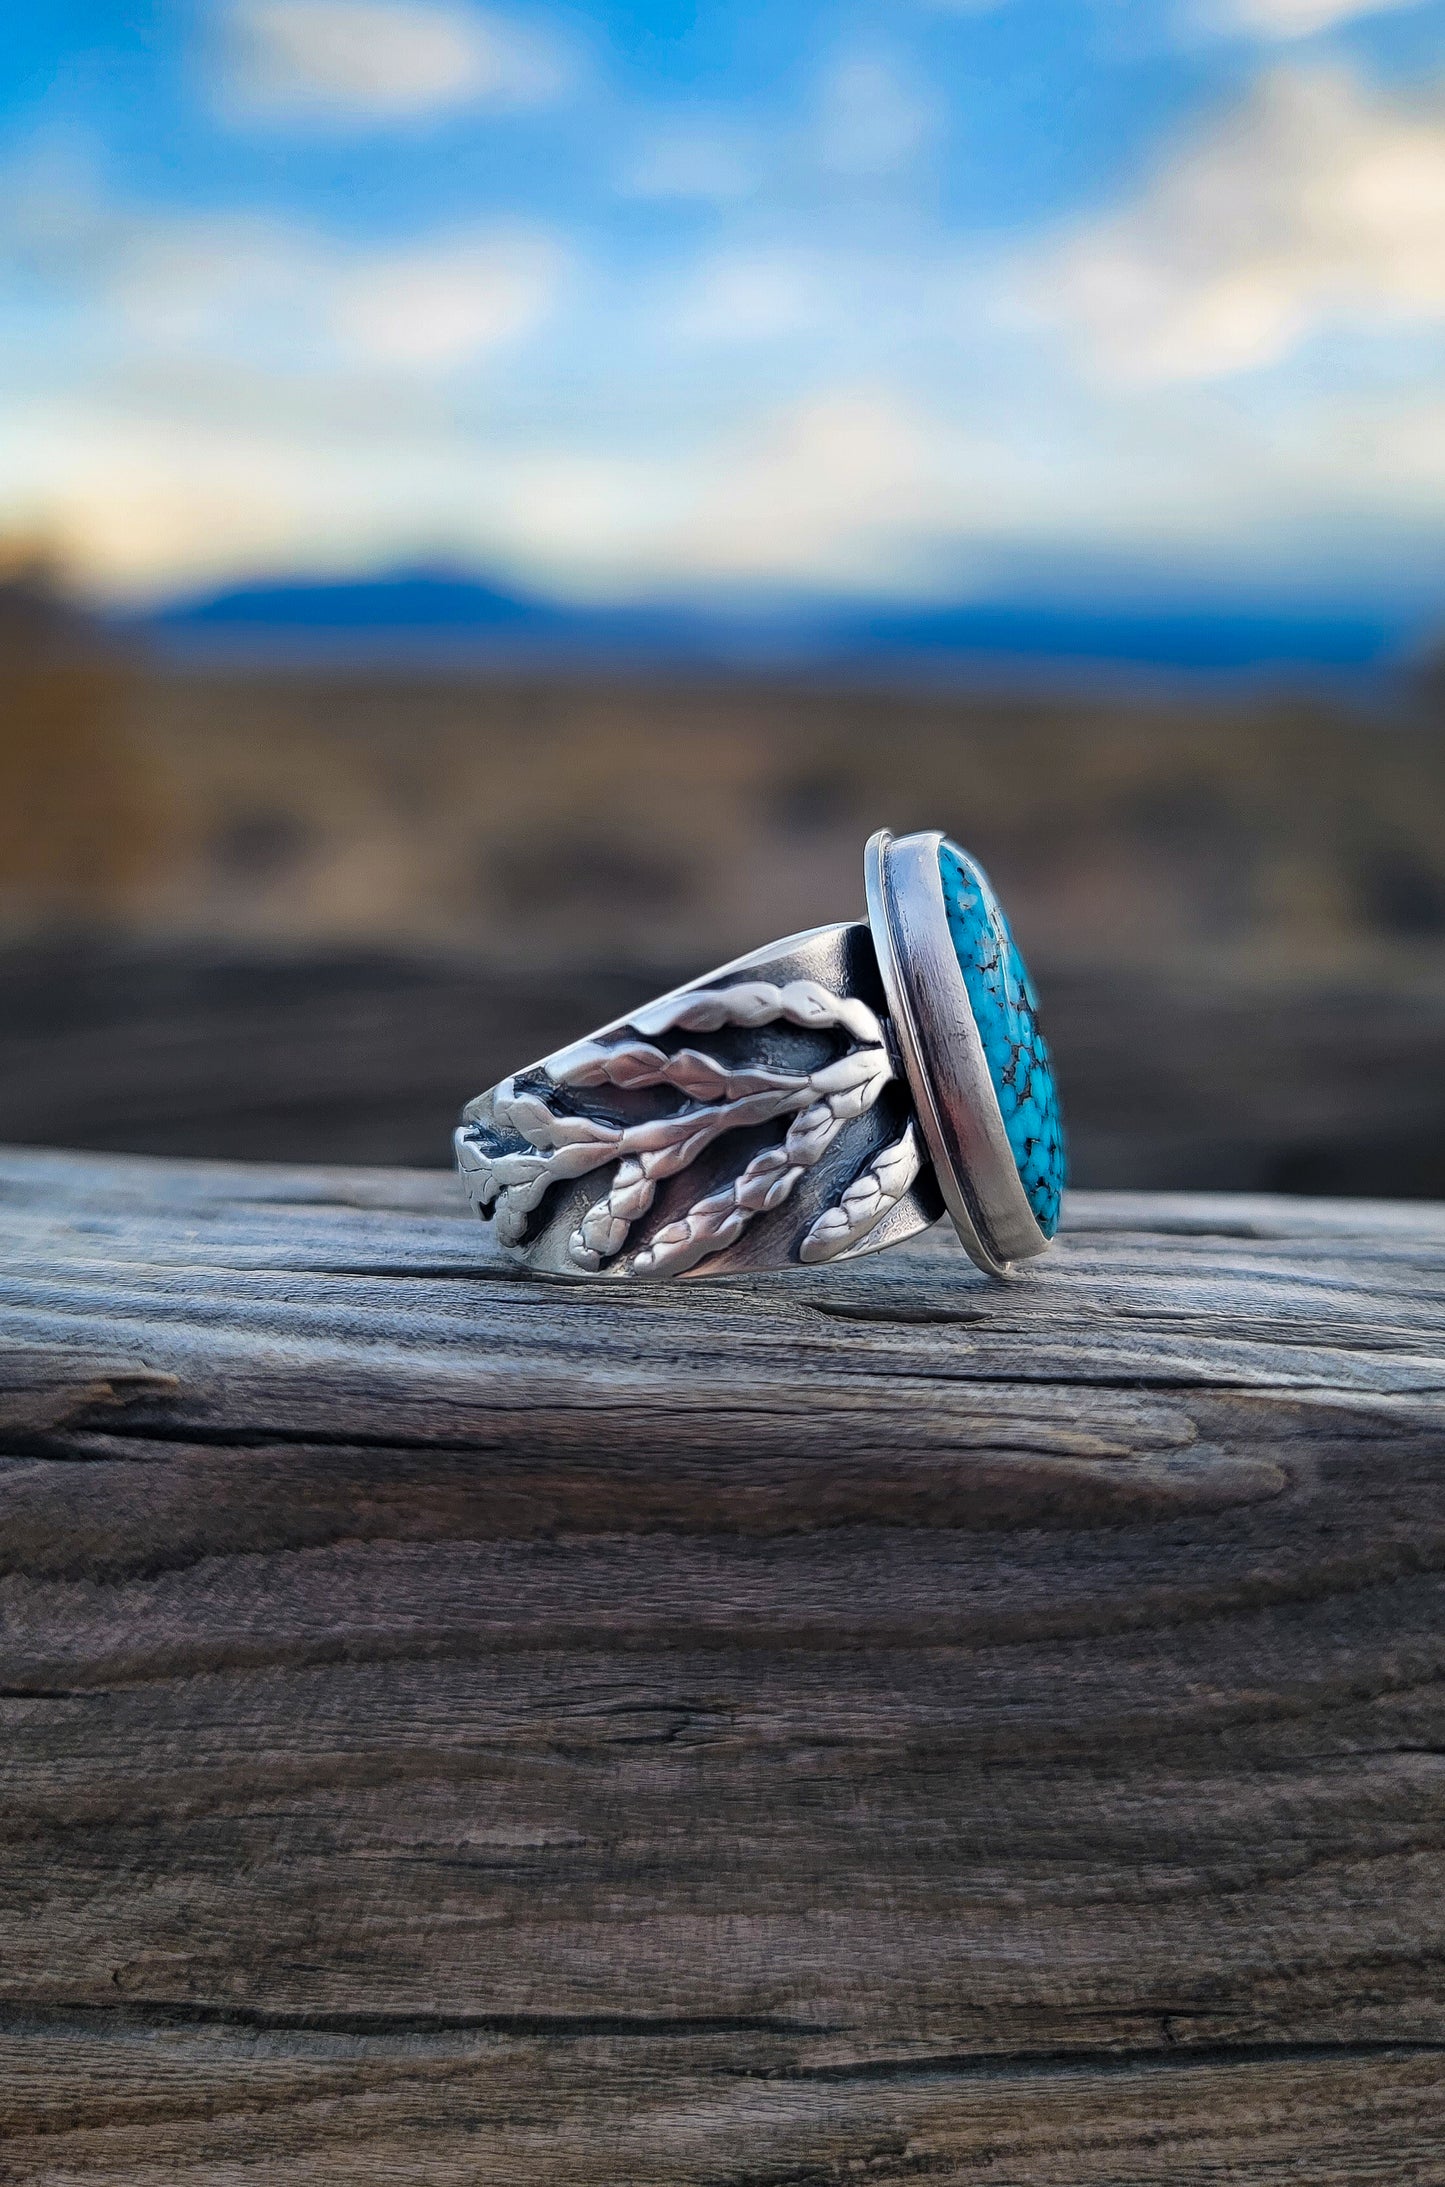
818, 1099
943, 1056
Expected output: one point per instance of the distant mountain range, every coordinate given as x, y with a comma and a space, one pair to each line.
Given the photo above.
439, 613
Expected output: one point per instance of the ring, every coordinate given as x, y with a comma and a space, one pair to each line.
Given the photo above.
834, 1093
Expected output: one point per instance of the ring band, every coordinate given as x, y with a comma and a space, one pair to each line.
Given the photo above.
821, 1098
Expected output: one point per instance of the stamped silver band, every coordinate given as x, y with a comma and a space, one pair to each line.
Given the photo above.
821, 1098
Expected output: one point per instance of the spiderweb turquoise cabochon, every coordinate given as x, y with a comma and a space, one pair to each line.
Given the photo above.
1005, 1010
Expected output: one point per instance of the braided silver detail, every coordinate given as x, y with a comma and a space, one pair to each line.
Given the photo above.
848, 1088
880, 1187
567, 1146
786, 1069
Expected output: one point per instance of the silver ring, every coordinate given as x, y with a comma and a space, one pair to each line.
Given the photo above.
824, 1097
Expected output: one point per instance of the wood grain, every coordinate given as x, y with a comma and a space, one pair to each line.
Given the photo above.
872, 1724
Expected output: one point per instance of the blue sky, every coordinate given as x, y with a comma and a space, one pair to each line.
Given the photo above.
924, 301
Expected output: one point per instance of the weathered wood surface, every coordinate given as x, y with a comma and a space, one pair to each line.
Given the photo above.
872, 1724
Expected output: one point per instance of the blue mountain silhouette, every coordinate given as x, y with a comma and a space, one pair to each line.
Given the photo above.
425, 609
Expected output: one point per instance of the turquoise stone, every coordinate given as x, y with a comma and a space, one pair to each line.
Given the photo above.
1005, 1010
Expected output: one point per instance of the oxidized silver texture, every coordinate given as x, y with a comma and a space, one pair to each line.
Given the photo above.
815, 1100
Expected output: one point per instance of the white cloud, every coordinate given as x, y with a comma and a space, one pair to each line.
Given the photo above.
1385, 458
750, 296
863, 489
855, 303
294, 300
852, 488
138, 504
868, 118
379, 61
872, 118
177, 283
245, 396
442, 306
693, 160
1284, 19
847, 487
1315, 204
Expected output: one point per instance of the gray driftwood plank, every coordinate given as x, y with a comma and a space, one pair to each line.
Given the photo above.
870, 1725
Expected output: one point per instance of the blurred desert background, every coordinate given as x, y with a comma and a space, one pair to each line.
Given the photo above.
300, 912
501, 503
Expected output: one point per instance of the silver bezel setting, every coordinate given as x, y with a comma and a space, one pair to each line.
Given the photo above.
942, 1053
